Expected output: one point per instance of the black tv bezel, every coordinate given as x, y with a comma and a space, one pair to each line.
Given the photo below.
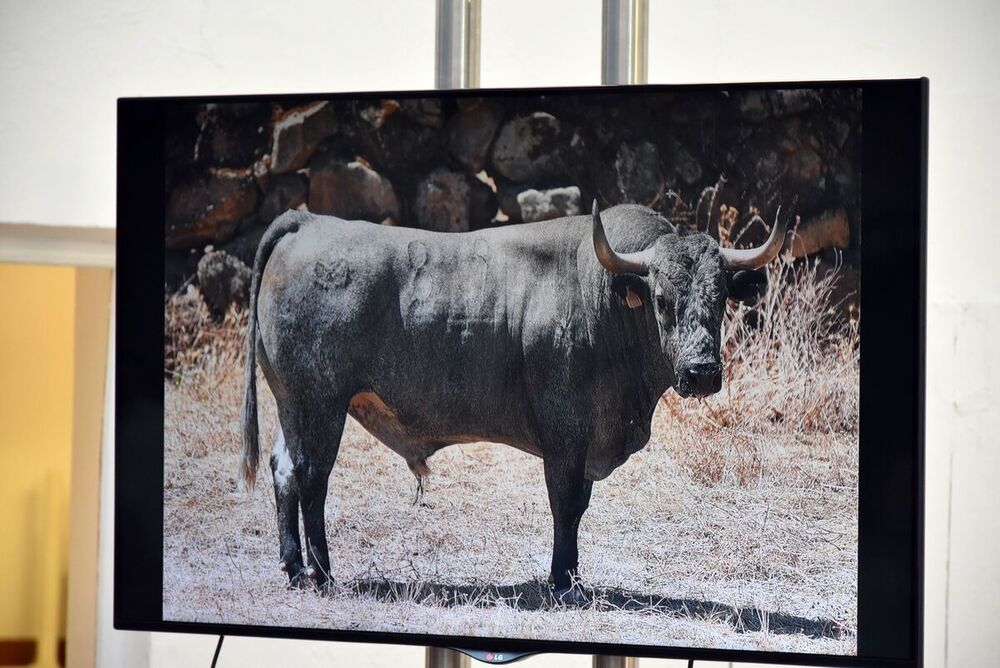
893, 304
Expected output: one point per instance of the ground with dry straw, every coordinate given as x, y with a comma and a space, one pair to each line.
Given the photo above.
735, 527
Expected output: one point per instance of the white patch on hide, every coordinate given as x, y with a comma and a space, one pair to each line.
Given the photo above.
282, 463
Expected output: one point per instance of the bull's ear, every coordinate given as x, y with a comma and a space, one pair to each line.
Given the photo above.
629, 290
747, 286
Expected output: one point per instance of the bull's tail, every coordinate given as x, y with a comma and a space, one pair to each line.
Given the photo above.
286, 223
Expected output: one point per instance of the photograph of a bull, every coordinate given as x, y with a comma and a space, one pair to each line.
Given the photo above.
557, 338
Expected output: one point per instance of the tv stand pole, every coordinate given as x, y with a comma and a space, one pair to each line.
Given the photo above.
601, 661
456, 65
624, 54
443, 657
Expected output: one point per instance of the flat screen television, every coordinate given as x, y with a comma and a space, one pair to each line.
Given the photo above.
620, 370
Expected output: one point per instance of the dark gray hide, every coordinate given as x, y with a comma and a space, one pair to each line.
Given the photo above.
515, 335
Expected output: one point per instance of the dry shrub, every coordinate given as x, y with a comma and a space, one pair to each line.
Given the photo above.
711, 455
792, 365
199, 349
793, 359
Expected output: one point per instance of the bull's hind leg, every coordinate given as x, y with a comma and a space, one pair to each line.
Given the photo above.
286, 501
313, 457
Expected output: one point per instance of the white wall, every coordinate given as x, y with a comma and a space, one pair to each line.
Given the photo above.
62, 64
954, 45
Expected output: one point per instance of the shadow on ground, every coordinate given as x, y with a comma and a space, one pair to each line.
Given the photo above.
536, 595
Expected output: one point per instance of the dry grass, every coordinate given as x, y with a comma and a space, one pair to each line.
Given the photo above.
735, 527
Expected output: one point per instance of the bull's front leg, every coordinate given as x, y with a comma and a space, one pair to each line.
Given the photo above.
569, 495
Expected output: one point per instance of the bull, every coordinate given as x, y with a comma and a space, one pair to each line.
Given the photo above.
557, 338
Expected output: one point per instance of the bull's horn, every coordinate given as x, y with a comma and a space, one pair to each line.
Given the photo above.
754, 258
618, 263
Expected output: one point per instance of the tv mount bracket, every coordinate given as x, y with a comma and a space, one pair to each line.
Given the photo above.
624, 54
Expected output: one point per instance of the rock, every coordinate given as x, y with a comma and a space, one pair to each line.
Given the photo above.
350, 189
829, 229
759, 105
298, 133
838, 132
785, 102
377, 115
385, 137
243, 246
470, 132
639, 174
531, 205
209, 208
444, 201
180, 133
682, 165
548, 204
536, 149
423, 110
407, 149
804, 165
766, 169
507, 199
482, 204
464, 103
178, 267
674, 110
401, 138
233, 134
224, 280
751, 105
262, 172
288, 191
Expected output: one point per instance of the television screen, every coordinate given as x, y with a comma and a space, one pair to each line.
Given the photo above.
607, 370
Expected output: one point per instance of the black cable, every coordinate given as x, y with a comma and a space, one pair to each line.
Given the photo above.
690, 663
218, 648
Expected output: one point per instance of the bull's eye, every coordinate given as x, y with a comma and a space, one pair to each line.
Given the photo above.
661, 302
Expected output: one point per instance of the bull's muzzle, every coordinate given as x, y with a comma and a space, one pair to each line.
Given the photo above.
700, 380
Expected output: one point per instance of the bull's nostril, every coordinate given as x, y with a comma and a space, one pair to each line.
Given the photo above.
703, 378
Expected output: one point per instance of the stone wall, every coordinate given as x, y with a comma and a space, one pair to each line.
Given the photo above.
722, 161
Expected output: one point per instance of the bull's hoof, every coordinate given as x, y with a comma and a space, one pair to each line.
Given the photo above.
570, 597
320, 580
306, 578
297, 578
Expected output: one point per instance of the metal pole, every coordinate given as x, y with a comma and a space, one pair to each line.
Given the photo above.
439, 657
623, 61
457, 57
624, 36
456, 65
615, 662
625, 40
624, 54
